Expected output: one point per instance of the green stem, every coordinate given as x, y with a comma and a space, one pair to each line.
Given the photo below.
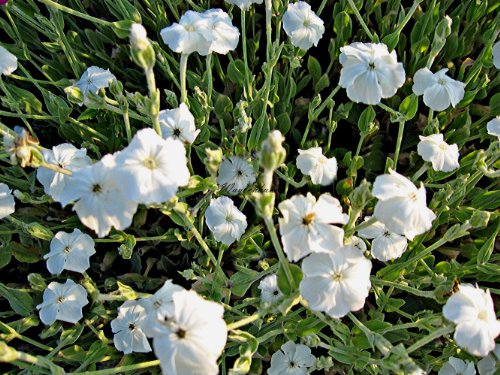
154, 95
431, 337
279, 250
360, 19
420, 172
409, 289
19, 336
269, 10
398, 143
183, 71
73, 12
210, 82
321, 7
290, 180
55, 168
120, 369
408, 16
364, 224
243, 322
247, 87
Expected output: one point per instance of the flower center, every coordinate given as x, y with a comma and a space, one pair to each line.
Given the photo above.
275, 293
67, 249
189, 28
371, 66
156, 305
483, 315
89, 81
177, 132
442, 81
60, 299
443, 146
337, 276
307, 22
387, 233
229, 218
413, 196
131, 326
293, 364
180, 333
308, 219
150, 163
96, 188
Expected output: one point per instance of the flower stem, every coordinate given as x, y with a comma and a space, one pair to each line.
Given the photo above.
269, 10
183, 71
409, 289
432, 336
73, 12
210, 82
398, 143
243, 322
360, 19
154, 95
279, 250
247, 88
55, 168
321, 7
120, 369
290, 180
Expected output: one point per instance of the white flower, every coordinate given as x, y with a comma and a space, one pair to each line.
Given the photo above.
70, 251
490, 364
444, 157
496, 54
302, 25
355, 243
193, 336
305, 225
154, 168
63, 302
244, 4
369, 72
472, 310
456, 366
7, 203
438, 89
94, 79
385, 245
65, 156
226, 222
178, 123
101, 195
269, 291
8, 62
401, 206
191, 34
235, 174
336, 282
159, 304
292, 359
138, 37
313, 163
225, 36
493, 127
128, 328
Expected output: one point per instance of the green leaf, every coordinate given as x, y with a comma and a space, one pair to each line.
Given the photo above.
21, 302
236, 72
365, 122
391, 40
289, 287
242, 281
409, 106
69, 336
314, 68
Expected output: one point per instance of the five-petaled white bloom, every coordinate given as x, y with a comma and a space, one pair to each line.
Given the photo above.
493, 127
306, 225
101, 197
128, 328
292, 359
8, 62
386, 245
438, 89
369, 72
62, 302
70, 251
7, 203
472, 310
225, 36
191, 34
244, 4
313, 163
153, 168
226, 222
193, 336
235, 174
138, 37
433, 148
269, 291
490, 364
496, 54
336, 282
65, 156
94, 79
178, 123
302, 25
401, 206
455, 366
159, 304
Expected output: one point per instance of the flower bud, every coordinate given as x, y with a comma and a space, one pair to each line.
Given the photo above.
20, 146
138, 37
272, 153
74, 95
39, 231
213, 160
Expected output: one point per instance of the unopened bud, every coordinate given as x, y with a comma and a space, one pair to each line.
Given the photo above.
20, 146
138, 37
39, 231
74, 95
272, 153
213, 160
